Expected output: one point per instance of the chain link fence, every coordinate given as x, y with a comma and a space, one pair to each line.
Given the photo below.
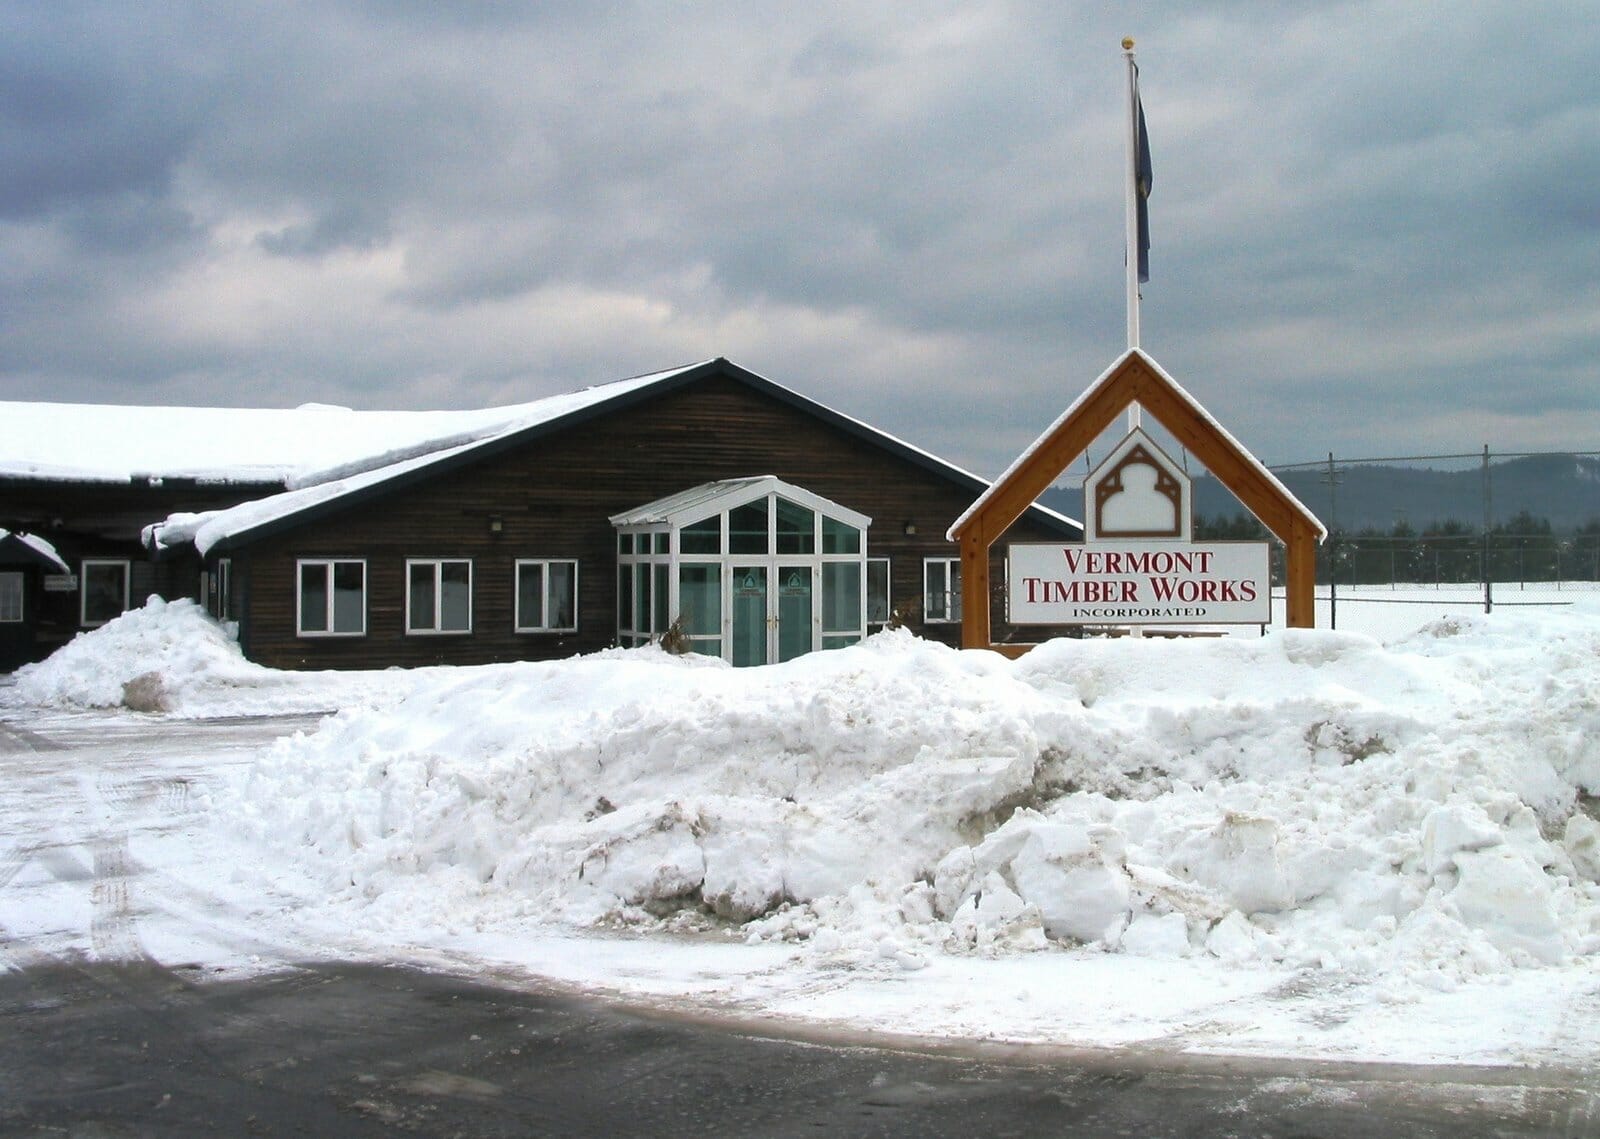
1475, 530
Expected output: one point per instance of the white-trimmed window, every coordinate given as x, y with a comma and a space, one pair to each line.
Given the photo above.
941, 590
331, 597
10, 597
878, 599
438, 595
102, 590
547, 595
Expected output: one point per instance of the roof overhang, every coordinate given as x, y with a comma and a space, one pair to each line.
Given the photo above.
29, 549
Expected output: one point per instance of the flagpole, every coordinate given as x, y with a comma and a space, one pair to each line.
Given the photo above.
1130, 181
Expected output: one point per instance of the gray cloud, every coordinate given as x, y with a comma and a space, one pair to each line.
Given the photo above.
1374, 224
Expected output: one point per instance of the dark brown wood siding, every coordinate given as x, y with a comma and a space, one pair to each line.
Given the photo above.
554, 496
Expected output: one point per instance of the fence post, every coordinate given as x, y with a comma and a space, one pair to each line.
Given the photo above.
1333, 546
1488, 516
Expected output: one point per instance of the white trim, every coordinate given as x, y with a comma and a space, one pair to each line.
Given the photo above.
437, 629
83, 588
299, 597
517, 625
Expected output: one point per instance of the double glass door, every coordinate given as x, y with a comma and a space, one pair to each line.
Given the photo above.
774, 614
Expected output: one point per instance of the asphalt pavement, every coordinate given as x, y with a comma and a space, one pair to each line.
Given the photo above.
135, 1049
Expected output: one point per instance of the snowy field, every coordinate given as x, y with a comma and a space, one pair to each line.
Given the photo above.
1376, 845
1387, 611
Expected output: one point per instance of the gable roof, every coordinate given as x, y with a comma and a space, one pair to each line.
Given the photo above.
1135, 378
355, 482
30, 549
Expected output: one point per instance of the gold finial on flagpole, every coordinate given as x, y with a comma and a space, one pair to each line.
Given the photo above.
1127, 43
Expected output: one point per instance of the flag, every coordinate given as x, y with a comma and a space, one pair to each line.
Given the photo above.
1142, 177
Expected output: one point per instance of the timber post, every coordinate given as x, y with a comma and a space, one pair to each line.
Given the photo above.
976, 626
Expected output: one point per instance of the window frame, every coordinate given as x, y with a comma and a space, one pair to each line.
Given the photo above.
328, 565
544, 564
888, 595
951, 610
222, 586
437, 629
13, 590
83, 589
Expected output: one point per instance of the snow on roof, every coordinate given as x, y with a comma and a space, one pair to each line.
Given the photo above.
319, 469
291, 446
1222, 432
40, 546
208, 528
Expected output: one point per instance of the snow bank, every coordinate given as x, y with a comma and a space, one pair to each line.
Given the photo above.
173, 657
1417, 813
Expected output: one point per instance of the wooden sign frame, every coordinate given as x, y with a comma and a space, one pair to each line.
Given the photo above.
1133, 378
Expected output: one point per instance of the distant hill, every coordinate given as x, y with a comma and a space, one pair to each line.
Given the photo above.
1565, 489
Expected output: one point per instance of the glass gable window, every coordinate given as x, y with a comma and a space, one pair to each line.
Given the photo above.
438, 595
547, 596
104, 590
703, 537
332, 598
840, 537
747, 528
797, 528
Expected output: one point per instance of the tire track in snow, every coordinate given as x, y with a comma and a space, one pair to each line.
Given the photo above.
113, 925
16, 740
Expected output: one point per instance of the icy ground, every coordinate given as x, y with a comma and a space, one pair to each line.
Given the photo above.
1311, 843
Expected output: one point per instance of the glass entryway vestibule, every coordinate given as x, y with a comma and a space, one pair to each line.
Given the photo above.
755, 571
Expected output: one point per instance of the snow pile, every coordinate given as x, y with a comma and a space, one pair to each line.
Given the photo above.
173, 657
1415, 813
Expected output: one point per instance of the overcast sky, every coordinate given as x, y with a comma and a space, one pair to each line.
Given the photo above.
1376, 227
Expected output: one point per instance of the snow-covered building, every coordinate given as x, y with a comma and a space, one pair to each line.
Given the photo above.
705, 501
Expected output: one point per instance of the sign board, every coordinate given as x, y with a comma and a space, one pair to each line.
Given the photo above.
1139, 583
60, 582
